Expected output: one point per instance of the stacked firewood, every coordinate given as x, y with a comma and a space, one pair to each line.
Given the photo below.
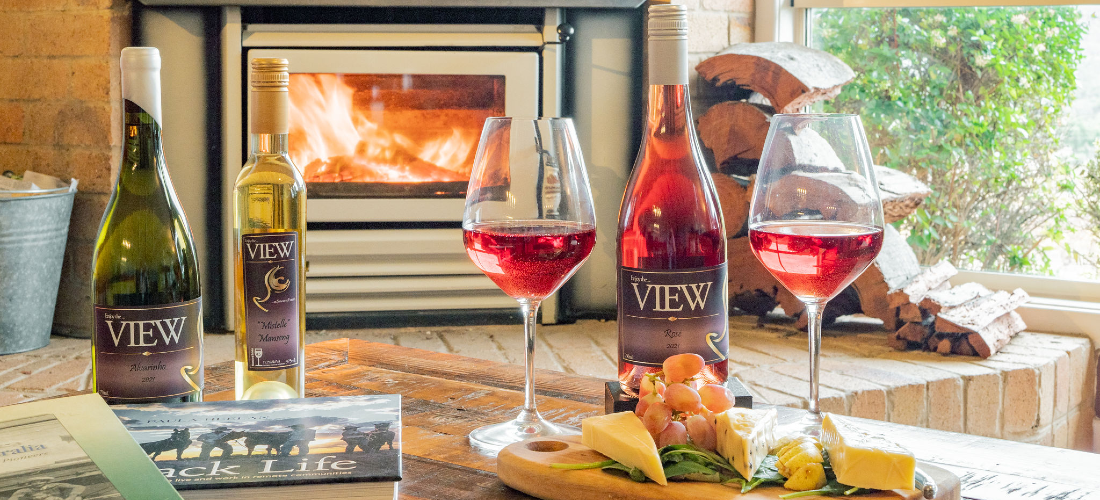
761, 79
967, 319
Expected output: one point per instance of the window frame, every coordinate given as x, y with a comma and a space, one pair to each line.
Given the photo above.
1058, 305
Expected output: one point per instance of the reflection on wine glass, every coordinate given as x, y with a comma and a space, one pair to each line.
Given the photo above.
529, 225
816, 220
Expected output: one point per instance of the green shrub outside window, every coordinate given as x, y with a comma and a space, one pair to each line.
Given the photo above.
970, 101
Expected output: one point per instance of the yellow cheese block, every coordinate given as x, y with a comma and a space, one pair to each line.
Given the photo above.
745, 436
866, 460
623, 438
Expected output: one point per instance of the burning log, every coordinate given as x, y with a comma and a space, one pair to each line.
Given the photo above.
789, 75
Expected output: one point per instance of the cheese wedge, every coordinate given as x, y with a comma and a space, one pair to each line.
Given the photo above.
623, 438
745, 436
866, 460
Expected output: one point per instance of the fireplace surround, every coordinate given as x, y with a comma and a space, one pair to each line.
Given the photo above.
386, 109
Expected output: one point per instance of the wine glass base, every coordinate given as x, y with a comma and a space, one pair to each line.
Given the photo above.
809, 424
490, 439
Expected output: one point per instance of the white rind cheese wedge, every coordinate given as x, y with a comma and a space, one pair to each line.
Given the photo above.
623, 438
866, 460
745, 436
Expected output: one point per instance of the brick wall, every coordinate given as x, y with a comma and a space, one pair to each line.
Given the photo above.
59, 114
714, 25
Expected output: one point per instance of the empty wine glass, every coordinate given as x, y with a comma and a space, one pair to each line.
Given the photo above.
816, 220
529, 224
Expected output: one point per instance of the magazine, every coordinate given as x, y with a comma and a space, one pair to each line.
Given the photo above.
254, 444
72, 449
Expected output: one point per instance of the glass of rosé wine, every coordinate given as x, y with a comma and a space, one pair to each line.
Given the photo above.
529, 225
816, 220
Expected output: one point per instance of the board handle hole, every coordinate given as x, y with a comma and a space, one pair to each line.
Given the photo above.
546, 446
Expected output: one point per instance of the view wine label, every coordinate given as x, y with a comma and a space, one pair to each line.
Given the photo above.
673, 312
269, 225
271, 306
147, 314
672, 291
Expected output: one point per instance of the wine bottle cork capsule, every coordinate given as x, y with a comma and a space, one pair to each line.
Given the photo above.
269, 84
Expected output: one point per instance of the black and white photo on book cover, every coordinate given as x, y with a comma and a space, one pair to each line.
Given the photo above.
260, 443
40, 460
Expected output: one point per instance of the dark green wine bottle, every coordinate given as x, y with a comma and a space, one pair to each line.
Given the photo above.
147, 338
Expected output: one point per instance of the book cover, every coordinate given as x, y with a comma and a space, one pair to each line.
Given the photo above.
73, 448
270, 442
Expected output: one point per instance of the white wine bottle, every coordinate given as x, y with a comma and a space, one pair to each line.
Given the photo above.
147, 343
269, 234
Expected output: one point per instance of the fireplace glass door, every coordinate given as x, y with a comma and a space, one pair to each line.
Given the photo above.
391, 135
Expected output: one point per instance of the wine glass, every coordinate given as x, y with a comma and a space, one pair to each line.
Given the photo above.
816, 220
529, 224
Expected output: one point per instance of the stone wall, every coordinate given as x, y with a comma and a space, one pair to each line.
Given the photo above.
59, 115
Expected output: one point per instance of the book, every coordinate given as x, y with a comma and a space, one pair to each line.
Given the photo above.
73, 448
343, 447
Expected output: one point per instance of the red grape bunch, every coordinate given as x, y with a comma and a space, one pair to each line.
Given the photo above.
676, 406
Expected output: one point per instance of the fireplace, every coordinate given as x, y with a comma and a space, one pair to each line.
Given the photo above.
387, 105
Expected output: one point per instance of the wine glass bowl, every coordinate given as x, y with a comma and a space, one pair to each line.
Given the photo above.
816, 221
529, 224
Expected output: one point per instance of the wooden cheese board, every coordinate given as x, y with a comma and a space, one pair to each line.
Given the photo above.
525, 466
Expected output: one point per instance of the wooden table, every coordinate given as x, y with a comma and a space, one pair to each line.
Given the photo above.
445, 396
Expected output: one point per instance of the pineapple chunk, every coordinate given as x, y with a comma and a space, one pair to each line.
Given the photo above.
623, 438
745, 436
800, 461
809, 477
793, 458
866, 460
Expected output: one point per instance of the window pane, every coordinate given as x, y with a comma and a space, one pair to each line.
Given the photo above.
998, 110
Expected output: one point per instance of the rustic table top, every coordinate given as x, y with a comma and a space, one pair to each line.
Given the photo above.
445, 396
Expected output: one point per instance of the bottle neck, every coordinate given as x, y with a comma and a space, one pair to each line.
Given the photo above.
142, 150
269, 144
268, 122
669, 112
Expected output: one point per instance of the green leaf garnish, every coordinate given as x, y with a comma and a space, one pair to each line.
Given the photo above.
633, 473
767, 473
833, 488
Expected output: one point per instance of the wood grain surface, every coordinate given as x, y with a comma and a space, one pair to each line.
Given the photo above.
445, 396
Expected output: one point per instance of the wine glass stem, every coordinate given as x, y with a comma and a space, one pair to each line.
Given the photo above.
530, 310
813, 311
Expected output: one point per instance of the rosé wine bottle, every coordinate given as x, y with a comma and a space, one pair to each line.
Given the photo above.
672, 292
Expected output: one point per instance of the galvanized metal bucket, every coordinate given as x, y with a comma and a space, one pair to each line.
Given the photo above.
34, 226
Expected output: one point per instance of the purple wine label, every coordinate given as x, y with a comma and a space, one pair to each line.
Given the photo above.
149, 351
662, 313
271, 300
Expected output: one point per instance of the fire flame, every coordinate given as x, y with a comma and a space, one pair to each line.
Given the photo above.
335, 140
